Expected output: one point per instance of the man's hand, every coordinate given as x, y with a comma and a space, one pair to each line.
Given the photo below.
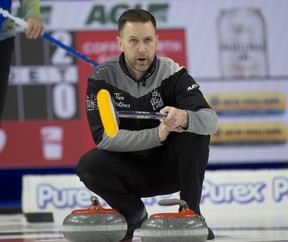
176, 118
175, 121
34, 29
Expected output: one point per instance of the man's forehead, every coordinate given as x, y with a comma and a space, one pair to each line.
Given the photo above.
139, 28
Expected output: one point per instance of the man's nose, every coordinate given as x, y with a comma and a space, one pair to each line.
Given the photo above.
142, 47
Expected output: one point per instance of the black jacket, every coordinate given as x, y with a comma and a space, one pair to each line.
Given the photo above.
164, 84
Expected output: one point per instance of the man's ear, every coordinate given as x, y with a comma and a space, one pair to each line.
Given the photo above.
119, 43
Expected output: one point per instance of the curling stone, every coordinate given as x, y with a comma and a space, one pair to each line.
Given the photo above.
94, 224
185, 226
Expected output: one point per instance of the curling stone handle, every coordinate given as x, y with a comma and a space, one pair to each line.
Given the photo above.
171, 202
94, 200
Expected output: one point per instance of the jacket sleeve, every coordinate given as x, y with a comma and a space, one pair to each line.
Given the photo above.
31, 9
202, 119
129, 141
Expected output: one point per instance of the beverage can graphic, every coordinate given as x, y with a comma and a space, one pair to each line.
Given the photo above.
242, 42
52, 137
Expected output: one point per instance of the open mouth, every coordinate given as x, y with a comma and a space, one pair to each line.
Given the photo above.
141, 59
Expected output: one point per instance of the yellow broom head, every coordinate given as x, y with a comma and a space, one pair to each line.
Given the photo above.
107, 113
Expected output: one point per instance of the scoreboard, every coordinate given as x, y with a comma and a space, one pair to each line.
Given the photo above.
43, 81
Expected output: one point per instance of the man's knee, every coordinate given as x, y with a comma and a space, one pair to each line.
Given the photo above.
88, 166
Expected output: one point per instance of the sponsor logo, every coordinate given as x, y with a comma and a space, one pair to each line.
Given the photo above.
103, 15
62, 198
228, 193
248, 103
192, 87
250, 133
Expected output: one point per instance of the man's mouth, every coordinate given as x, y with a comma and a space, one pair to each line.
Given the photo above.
141, 59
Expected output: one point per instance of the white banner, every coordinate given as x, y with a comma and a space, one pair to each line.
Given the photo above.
222, 191
208, 38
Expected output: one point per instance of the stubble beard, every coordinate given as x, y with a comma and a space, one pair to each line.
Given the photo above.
139, 68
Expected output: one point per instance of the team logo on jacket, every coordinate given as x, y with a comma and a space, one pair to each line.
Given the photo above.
91, 102
156, 100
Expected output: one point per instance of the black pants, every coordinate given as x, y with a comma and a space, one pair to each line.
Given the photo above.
6, 50
121, 178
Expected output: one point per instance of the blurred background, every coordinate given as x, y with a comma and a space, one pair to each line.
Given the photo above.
236, 51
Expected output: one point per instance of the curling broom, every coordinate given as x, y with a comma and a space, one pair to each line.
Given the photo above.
110, 117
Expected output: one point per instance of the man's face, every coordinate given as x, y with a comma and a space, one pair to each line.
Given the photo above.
138, 41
